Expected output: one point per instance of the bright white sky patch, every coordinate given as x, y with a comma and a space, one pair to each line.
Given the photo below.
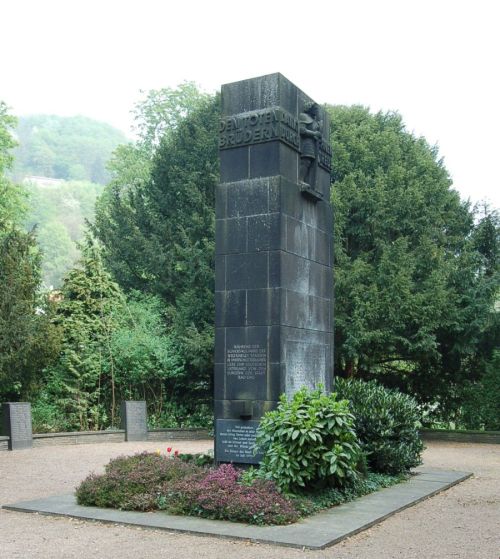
436, 62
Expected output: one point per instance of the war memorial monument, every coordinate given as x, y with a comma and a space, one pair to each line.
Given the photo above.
274, 285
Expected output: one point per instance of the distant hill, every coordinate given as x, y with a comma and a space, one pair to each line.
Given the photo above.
69, 148
58, 210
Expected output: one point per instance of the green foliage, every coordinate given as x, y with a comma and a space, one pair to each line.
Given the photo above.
187, 414
70, 148
156, 222
414, 300
12, 197
28, 341
47, 415
88, 315
113, 349
307, 441
387, 424
480, 407
312, 502
146, 360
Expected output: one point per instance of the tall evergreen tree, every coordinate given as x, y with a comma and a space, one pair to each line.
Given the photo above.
88, 314
159, 232
28, 341
413, 297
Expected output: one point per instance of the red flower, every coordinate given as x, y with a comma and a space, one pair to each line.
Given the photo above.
169, 449
176, 453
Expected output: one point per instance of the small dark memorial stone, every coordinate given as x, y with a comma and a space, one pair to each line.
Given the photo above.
17, 424
273, 292
134, 420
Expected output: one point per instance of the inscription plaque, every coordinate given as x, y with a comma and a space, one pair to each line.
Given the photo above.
17, 424
259, 126
246, 361
134, 420
235, 441
306, 366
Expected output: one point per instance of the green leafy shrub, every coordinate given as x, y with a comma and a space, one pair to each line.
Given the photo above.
387, 424
133, 482
307, 441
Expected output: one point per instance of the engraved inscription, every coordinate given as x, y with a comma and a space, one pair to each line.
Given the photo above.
325, 155
20, 422
236, 441
136, 417
259, 126
305, 366
246, 361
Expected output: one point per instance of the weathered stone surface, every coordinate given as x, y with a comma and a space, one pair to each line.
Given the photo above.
134, 420
273, 251
17, 424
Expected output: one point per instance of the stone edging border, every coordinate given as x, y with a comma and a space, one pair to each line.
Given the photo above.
316, 532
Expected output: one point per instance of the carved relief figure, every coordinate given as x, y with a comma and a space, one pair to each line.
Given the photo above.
310, 136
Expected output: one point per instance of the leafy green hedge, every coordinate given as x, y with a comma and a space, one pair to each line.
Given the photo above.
387, 424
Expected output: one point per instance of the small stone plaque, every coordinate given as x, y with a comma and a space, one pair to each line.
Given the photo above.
134, 420
17, 424
235, 441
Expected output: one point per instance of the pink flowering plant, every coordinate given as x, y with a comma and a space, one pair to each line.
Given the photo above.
220, 494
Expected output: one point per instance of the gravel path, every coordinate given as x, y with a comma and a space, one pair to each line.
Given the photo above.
463, 522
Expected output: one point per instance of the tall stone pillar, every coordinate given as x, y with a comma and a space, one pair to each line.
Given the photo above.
274, 280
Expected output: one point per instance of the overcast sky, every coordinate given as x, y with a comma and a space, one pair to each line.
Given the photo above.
436, 62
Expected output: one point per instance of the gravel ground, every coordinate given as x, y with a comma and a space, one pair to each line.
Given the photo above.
463, 522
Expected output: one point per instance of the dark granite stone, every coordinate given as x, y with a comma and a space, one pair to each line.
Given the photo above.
264, 232
235, 441
273, 245
246, 270
134, 420
17, 424
234, 164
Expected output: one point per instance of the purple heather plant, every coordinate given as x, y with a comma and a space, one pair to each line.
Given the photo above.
220, 495
133, 482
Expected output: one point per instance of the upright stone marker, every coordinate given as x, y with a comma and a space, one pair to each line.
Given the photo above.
273, 290
134, 420
17, 424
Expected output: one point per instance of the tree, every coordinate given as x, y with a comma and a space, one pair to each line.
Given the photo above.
28, 341
156, 221
412, 300
414, 269
88, 314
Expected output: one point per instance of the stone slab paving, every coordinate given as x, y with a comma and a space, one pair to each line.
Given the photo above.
315, 532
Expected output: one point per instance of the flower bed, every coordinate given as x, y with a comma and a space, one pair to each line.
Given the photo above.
187, 485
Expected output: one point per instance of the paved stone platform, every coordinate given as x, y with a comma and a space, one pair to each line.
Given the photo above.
315, 532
